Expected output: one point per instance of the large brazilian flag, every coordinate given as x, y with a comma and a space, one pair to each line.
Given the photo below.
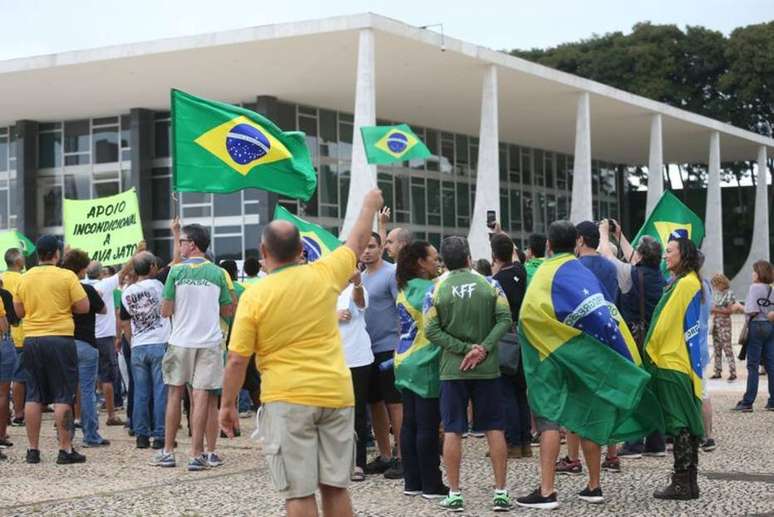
581, 363
317, 241
219, 147
673, 355
417, 360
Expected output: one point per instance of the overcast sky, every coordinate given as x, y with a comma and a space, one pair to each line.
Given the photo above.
35, 27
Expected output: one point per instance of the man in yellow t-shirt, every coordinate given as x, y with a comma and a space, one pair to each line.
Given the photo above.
289, 321
14, 261
46, 298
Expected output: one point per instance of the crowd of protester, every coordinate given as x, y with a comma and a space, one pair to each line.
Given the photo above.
385, 340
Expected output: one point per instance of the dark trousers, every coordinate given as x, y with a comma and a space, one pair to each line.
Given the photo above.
360, 380
420, 443
517, 415
654, 442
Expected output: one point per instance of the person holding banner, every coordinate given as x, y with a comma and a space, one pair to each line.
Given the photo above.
47, 298
307, 417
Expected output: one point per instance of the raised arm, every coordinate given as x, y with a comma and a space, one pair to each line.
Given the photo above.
361, 231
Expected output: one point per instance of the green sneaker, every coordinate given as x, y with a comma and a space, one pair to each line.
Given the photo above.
453, 503
501, 502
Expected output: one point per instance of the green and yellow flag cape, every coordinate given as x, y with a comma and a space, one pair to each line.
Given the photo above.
581, 363
416, 359
673, 355
387, 144
317, 241
219, 147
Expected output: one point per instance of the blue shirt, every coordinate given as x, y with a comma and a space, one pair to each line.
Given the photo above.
606, 272
381, 316
706, 307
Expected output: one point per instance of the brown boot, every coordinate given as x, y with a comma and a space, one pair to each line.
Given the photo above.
526, 450
679, 488
514, 452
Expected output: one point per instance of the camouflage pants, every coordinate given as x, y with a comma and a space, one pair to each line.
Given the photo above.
721, 341
686, 450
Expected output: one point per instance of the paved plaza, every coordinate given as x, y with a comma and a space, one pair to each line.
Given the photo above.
735, 479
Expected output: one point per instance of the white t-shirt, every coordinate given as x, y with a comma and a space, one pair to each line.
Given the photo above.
354, 337
105, 324
142, 302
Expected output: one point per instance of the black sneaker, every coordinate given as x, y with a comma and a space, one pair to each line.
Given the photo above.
437, 494
709, 445
395, 471
143, 442
33, 456
743, 408
592, 496
17, 422
537, 500
630, 452
378, 466
158, 443
5, 443
67, 458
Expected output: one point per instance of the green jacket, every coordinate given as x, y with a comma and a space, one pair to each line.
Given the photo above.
532, 266
464, 309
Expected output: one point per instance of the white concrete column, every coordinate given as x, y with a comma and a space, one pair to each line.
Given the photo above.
713, 218
655, 164
362, 175
488, 168
581, 203
759, 246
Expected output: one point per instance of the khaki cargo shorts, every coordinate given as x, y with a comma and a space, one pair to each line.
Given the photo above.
201, 368
306, 446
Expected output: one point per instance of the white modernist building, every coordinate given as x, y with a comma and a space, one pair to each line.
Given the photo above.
509, 135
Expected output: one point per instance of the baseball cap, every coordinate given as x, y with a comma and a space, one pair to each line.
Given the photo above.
680, 233
47, 244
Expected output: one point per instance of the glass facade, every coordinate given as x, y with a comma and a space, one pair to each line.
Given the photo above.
433, 198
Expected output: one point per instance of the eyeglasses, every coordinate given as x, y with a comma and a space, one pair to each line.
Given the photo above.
181, 241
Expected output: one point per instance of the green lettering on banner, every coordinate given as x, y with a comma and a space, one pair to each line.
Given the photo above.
107, 228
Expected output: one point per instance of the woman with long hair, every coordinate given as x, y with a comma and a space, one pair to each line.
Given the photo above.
760, 344
673, 358
417, 374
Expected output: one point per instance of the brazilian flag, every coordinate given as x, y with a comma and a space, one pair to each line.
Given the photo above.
417, 360
387, 144
222, 148
317, 242
668, 215
582, 366
673, 355
14, 239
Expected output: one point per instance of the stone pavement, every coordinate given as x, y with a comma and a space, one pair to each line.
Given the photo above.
735, 479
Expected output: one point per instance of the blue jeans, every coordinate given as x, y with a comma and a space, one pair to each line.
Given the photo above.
245, 404
420, 444
7, 360
759, 345
517, 415
88, 362
148, 380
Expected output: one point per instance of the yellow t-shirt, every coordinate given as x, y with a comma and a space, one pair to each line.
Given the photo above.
288, 320
48, 294
11, 281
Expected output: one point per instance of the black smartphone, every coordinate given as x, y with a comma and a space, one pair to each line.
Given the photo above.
491, 219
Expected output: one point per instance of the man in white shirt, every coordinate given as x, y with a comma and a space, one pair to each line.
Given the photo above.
350, 309
105, 332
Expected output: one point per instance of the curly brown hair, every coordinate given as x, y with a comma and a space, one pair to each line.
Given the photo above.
76, 261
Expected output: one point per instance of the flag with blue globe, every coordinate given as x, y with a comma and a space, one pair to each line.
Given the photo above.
388, 144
